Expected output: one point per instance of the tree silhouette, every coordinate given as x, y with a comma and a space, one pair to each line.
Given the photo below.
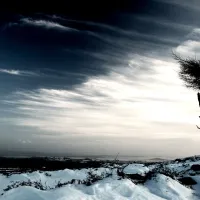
190, 73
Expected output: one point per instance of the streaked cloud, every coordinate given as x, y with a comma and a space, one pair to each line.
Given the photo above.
46, 24
17, 72
24, 141
125, 91
167, 23
186, 4
129, 33
116, 105
10, 71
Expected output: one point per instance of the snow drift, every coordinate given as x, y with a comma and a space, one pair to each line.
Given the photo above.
172, 180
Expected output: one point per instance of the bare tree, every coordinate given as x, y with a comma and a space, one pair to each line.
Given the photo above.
190, 73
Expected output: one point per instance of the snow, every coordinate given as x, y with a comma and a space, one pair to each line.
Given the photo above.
168, 188
136, 169
183, 166
197, 186
110, 190
64, 175
113, 187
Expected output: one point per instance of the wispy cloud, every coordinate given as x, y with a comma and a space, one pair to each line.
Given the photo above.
46, 24
107, 36
194, 5
127, 33
114, 104
24, 141
166, 23
144, 99
10, 71
17, 72
190, 47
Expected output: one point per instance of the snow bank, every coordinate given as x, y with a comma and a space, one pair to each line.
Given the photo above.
167, 188
109, 185
106, 190
136, 169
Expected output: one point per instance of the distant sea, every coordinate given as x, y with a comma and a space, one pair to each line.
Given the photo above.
104, 157
126, 158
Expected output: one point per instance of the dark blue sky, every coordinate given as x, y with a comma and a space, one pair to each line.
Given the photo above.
66, 68
90, 37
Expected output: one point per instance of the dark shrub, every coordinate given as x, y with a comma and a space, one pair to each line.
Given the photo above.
187, 181
195, 167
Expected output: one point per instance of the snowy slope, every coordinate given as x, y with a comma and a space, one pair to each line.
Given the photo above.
157, 182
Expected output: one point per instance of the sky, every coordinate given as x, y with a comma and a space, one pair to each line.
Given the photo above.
83, 78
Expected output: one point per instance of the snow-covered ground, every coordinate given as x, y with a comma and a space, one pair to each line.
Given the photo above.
172, 180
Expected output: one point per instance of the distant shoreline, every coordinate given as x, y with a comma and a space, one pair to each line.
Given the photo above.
109, 158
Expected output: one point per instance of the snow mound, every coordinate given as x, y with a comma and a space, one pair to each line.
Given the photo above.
167, 188
136, 169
